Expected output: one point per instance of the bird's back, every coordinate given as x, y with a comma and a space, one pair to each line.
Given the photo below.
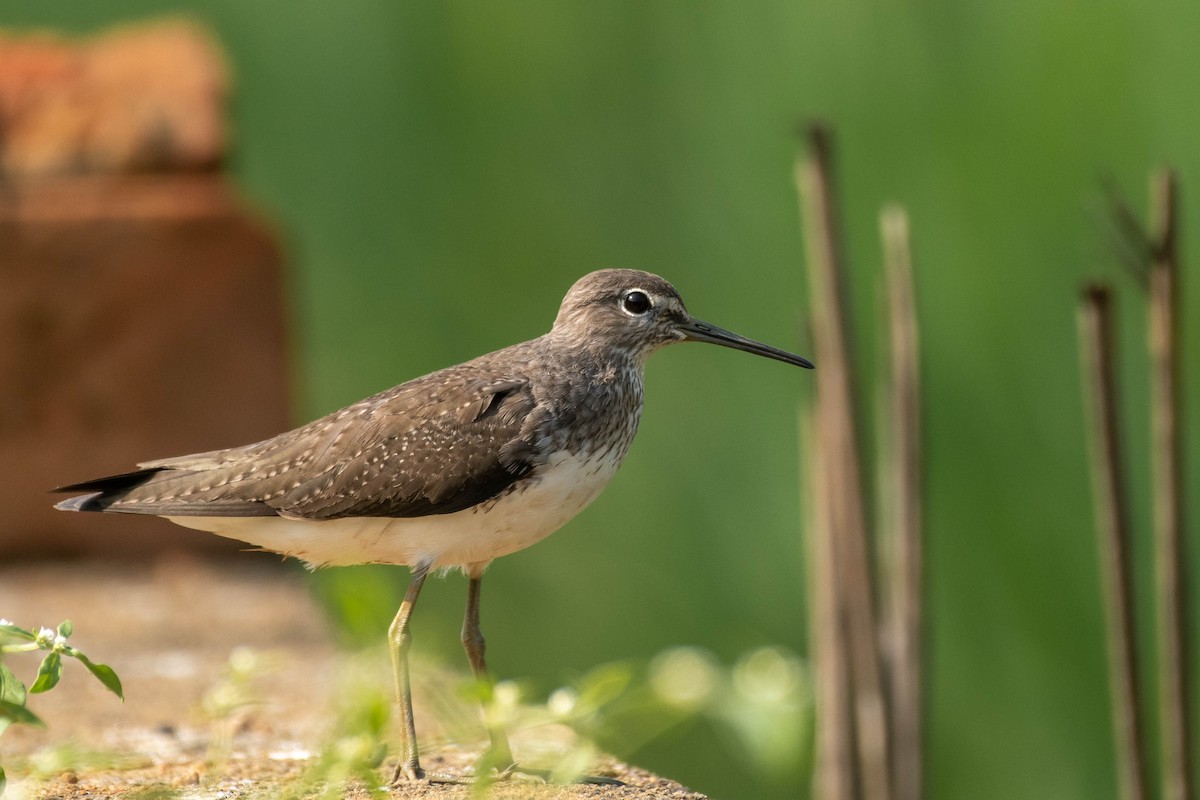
454, 440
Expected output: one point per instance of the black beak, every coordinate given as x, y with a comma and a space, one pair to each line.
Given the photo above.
696, 331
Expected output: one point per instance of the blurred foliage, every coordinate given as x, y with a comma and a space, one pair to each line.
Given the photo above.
233, 697
442, 171
356, 745
14, 695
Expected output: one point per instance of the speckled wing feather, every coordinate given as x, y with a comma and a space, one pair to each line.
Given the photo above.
435, 445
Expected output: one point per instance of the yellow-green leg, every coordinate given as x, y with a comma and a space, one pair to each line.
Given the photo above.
399, 641
473, 643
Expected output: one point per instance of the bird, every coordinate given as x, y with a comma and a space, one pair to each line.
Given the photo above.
450, 470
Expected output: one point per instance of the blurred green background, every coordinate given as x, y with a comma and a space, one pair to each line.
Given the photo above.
443, 171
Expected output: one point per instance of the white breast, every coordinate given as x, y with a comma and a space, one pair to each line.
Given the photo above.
563, 487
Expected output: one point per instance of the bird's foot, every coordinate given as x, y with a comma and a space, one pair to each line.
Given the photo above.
599, 780
407, 772
545, 776
411, 772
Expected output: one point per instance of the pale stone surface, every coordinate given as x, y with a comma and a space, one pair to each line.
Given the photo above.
169, 628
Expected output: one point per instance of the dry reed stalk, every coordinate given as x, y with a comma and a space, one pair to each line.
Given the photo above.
901, 520
835, 425
834, 767
1111, 501
1166, 453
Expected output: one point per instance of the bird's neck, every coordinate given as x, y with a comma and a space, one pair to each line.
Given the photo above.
601, 393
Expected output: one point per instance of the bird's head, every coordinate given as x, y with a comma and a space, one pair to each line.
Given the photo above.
635, 312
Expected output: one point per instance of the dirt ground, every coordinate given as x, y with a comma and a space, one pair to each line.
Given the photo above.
171, 629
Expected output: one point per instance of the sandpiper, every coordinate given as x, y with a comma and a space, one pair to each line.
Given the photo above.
453, 469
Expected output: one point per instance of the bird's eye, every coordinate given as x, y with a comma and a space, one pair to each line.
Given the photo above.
636, 302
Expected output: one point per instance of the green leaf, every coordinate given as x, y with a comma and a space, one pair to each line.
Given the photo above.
8, 630
3, 781
11, 689
104, 674
15, 712
65, 628
48, 673
603, 684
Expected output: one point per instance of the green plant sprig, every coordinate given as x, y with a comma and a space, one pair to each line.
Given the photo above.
13, 694
14, 639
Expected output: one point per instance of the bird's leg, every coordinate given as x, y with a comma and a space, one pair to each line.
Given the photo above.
473, 643
399, 640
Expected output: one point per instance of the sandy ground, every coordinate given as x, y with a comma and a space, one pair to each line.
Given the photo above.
171, 629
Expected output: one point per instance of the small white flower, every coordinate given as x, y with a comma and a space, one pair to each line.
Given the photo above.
505, 705
685, 677
4, 621
244, 660
60, 641
562, 701
506, 694
46, 635
768, 676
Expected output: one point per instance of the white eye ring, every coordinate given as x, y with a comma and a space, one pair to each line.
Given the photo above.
636, 302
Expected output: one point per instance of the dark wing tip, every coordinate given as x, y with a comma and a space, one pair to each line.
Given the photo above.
110, 483
101, 492
83, 502
112, 494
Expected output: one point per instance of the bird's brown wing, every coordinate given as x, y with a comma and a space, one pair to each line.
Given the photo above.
435, 445
466, 445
